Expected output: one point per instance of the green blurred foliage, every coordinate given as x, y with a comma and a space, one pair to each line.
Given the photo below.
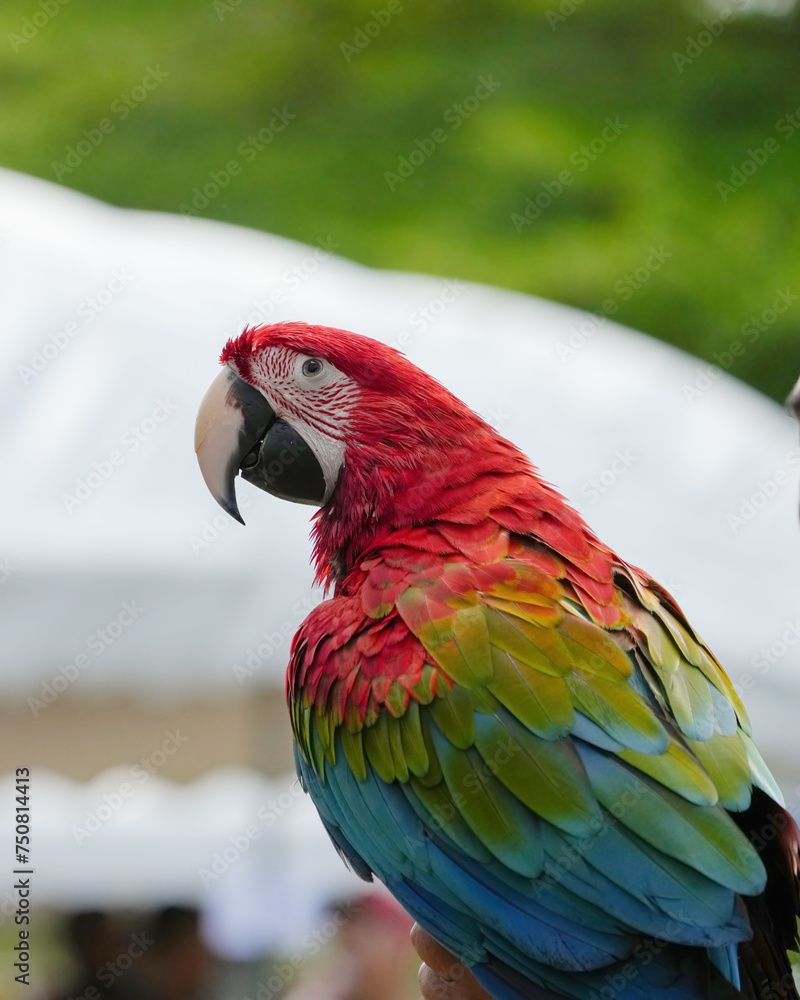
689, 121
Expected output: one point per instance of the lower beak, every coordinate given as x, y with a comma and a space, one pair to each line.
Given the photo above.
237, 430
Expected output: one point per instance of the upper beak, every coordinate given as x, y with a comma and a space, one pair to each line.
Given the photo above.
232, 418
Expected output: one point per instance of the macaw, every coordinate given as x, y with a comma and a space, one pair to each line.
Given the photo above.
515, 730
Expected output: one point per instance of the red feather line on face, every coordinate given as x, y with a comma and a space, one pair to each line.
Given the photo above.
374, 365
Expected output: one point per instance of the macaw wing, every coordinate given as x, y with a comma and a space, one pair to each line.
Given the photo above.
691, 685
531, 675
500, 762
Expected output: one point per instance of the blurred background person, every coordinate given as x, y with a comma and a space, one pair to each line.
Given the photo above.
369, 959
110, 963
181, 967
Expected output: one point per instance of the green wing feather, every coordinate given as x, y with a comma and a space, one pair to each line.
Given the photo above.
543, 663
526, 712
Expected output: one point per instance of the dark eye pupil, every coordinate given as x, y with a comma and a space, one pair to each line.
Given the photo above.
312, 367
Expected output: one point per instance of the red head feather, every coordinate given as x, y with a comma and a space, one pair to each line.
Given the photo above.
415, 454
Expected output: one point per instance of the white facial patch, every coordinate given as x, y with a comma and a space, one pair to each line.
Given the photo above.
314, 397
329, 451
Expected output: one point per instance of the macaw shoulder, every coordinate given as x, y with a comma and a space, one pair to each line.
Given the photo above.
487, 557
347, 665
372, 644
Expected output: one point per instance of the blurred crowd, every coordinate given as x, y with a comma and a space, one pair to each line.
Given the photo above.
363, 954
164, 958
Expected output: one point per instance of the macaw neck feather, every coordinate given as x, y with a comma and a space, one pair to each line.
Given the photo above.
471, 476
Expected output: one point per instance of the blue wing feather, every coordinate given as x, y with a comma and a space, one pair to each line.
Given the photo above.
561, 935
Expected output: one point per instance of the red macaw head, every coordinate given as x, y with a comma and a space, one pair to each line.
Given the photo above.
296, 405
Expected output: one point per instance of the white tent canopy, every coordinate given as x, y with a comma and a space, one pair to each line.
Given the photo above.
248, 851
120, 573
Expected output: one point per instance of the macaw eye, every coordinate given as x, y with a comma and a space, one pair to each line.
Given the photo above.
313, 366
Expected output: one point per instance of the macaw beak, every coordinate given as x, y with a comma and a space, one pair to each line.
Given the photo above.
237, 430
232, 417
